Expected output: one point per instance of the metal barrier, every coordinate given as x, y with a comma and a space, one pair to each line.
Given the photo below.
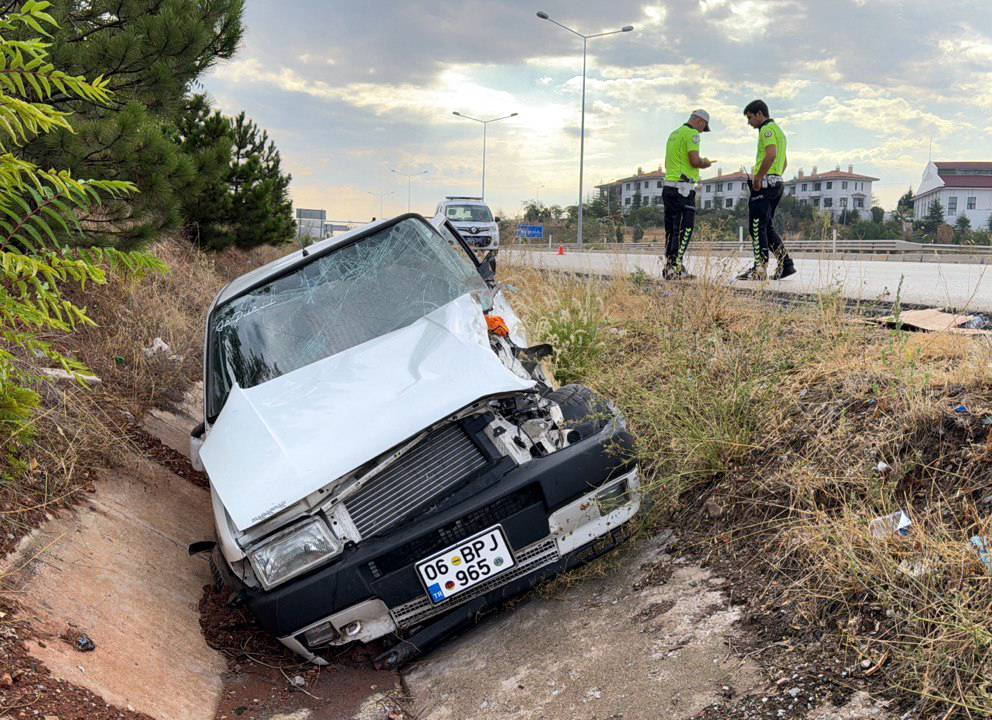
825, 247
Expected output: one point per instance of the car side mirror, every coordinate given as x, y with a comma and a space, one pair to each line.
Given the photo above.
196, 440
487, 269
495, 219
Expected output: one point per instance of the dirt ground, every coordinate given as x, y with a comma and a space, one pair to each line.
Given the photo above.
654, 633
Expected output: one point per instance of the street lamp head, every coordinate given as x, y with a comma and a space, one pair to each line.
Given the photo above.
541, 14
627, 28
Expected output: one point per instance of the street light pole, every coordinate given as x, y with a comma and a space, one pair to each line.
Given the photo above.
582, 132
382, 198
409, 184
485, 126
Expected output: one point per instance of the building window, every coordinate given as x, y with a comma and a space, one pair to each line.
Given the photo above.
843, 202
803, 202
859, 202
828, 202
805, 187
709, 188
656, 200
817, 186
646, 184
816, 202
730, 203
743, 186
952, 204
719, 187
830, 186
972, 202
708, 204
843, 185
626, 201
628, 186
661, 183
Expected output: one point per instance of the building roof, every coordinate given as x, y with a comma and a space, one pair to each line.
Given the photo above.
977, 182
732, 177
963, 165
833, 175
654, 174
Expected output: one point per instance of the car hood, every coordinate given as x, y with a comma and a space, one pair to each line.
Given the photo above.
280, 441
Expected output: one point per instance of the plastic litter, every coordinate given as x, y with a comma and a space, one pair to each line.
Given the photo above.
961, 409
984, 549
85, 644
898, 523
158, 345
883, 467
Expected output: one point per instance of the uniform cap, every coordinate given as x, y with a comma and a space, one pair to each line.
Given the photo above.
703, 115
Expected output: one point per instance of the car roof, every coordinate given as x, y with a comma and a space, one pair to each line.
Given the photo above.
258, 276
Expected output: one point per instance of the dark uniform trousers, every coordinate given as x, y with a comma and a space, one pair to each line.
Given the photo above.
680, 219
761, 212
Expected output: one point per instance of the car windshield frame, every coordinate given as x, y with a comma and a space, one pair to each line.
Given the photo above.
486, 216
376, 283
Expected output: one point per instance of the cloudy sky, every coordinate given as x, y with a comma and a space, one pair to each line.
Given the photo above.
349, 90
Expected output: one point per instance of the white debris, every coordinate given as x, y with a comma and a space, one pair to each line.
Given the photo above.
62, 374
158, 345
883, 467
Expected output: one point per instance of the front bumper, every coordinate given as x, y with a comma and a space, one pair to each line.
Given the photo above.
548, 513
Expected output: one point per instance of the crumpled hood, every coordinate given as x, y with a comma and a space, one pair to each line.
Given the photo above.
276, 443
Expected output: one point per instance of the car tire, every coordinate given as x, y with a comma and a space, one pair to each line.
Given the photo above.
585, 412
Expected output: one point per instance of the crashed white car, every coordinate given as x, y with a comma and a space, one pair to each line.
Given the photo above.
386, 457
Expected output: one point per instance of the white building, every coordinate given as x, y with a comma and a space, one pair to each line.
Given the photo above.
833, 191
963, 189
723, 191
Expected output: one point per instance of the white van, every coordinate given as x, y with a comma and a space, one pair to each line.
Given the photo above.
472, 219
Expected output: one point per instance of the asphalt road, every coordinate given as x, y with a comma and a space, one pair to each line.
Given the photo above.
943, 285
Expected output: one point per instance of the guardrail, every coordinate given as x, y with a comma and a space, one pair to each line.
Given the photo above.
826, 247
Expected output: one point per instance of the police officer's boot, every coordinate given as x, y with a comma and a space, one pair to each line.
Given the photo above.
784, 269
669, 272
759, 271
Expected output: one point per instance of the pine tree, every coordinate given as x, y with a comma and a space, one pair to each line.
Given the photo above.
205, 137
904, 208
261, 211
39, 212
149, 52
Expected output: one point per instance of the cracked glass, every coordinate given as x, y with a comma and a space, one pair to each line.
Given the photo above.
366, 289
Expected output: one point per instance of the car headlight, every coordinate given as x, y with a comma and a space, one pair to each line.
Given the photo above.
293, 551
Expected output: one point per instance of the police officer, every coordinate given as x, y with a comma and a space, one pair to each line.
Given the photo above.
766, 192
682, 165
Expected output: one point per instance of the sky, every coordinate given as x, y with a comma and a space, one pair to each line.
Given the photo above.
350, 91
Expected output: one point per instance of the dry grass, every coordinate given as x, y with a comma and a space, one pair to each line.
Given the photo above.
782, 417
82, 428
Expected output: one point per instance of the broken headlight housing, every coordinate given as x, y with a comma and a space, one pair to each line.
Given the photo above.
293, 551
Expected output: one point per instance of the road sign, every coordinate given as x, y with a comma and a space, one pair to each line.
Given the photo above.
530, 232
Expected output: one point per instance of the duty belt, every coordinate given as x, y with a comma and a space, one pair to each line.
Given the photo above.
680, 185
772, 180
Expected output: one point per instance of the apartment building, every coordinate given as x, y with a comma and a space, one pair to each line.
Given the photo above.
723, 192
833, 191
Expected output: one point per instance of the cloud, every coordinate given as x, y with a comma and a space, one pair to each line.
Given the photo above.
745, 20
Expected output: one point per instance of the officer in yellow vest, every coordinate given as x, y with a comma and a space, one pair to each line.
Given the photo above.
766, 192
682, 165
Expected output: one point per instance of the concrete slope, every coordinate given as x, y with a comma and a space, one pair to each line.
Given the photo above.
959, 285
647, 640
118, 569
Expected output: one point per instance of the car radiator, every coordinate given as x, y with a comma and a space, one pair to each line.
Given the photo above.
432, 467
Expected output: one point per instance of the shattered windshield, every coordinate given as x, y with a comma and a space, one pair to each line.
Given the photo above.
358, 292
469, 213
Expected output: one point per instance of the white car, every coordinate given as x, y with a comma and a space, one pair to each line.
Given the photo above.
386, 457
473, 219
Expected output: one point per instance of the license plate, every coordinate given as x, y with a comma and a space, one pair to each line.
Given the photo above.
465, 564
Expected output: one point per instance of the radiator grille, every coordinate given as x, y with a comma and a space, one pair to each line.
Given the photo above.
432, 467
